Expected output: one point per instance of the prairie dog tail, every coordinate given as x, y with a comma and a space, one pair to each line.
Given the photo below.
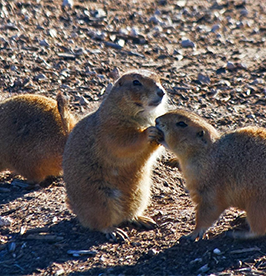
68, 120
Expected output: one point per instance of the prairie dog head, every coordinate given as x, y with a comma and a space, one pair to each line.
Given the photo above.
185, 133
140, 93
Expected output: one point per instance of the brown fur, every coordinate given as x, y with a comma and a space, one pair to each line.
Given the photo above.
108, 156
33, 135
220, 171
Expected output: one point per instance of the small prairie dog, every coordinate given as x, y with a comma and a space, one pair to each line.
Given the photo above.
33, 134
108, 157
220, 171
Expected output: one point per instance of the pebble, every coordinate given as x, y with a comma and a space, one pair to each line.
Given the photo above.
100, 13
40, 78
113, 45
154, 19
52, 32
186, 43
203, 78
230, 65
68, 4
152, 252
82, 252
215, 28
197, 260
5, 221
244, 12
44, 43
217, 251
204, 268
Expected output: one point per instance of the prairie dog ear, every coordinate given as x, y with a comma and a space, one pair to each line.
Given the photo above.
115, 74
201, 135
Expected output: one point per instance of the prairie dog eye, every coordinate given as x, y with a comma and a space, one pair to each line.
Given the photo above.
137, 83
181, 124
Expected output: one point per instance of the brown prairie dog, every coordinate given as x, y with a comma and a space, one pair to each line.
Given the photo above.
109, 155
220, 171
33, 134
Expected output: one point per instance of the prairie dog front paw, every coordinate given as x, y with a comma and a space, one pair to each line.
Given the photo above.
154, 134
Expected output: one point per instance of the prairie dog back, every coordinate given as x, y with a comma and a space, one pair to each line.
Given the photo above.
33, 135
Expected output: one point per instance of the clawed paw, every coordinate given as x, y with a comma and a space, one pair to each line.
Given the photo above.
116, 235
196, 235
144, 222
154, 134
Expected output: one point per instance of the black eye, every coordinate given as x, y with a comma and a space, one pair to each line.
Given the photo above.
181, 124
136, 82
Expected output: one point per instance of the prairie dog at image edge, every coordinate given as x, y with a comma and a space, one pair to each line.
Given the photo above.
33, 134
220, 171
108, 157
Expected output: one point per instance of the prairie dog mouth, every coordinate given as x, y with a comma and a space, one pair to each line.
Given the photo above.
155, 103
161, 137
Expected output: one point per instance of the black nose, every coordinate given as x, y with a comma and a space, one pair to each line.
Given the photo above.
160, 93
157, 121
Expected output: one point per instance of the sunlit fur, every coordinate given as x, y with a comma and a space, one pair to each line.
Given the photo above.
109, 155
33, 135
220, 171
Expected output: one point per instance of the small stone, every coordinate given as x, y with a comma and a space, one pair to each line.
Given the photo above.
186, 43
197, 260
181, 3
217, 251
152, 252
82, 252
44, 43
53, 32
154, 19
67, 56
23, 230
40, 78
68, 4
13, 68
5, 221
113, 45
60, 272
121, 42
215, 28
134, 32
203, 78
220, 71
99, 13
230, 65
244, 12
204, 268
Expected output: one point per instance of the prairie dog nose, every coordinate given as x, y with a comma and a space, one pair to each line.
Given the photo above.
157, 122
160, 93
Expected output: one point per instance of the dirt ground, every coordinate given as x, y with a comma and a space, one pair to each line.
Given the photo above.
211, 56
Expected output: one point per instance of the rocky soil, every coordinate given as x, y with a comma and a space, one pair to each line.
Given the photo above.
211, 56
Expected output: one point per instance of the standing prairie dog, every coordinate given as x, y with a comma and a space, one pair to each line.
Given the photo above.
33, 133
108, 157
220, 171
